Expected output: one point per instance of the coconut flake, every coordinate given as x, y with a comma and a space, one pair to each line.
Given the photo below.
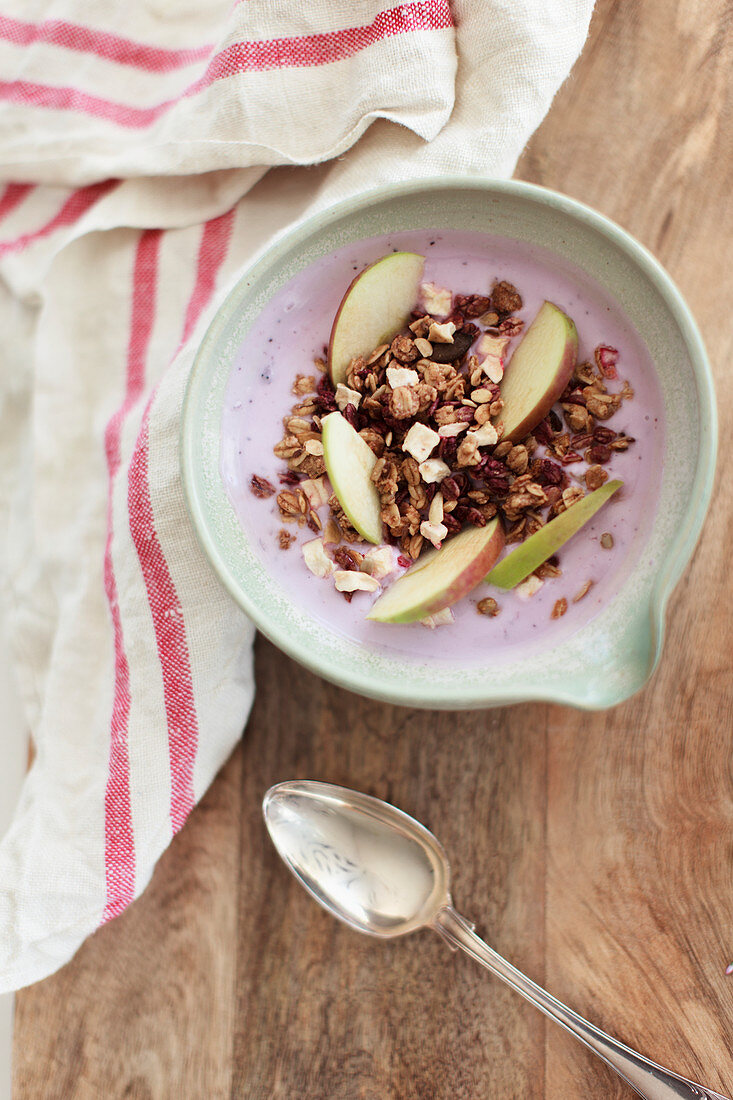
441, 334
379, 562
316, 558
446, 431
420, 442
402, 376
433, 532
440, 618
433, 469
485, 436
529, 588
350, 580
345, 396
316, 491
436, 300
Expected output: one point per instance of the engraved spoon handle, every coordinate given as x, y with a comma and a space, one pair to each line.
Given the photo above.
647, 1078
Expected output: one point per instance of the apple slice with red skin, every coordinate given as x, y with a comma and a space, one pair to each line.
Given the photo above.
376, 306
349, 464
538, 371
540, 546
441, 577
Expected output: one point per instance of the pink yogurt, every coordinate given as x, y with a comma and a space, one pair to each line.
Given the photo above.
292, 331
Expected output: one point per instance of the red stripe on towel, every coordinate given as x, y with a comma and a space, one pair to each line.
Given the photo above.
111, 47
276, 53
13, 196
77, 203
167, 614
119, 847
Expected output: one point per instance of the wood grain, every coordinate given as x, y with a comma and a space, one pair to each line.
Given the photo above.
593, 850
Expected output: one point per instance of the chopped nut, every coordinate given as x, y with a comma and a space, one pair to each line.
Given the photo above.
446, 431
332, 533
403, 402
403, 349
485, 436
529, 588
559, 608
488, 606
482, 396
517, 459
420, 441
572, 495
607, 540
440, 618
583, 591
377, 354
316, 558
603, 405
441, 334
435, 514
289, 505
314, 447
595, 476
505, 298
424, 347
378, 562
347, 580
468, 453
261, 487
284, 538
433, 532
436, 300
346, 396
402, 376
433, 470
303, 384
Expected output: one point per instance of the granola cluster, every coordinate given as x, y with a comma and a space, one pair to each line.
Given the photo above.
429, 406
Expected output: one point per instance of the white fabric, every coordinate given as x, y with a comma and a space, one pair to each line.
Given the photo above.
82, 356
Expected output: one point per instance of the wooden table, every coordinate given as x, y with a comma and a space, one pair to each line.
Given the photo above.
595, 851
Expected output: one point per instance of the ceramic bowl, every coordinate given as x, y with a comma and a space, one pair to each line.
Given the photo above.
603, 662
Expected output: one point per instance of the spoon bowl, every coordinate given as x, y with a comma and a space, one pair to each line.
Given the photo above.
367, 863
381, 872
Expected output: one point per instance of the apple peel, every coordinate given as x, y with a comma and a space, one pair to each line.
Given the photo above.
525, 558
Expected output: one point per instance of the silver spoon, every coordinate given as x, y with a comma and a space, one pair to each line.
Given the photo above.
383, 873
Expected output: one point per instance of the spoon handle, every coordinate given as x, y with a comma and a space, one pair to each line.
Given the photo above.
647, 1078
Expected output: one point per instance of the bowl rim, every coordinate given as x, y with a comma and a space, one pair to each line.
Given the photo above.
679, 551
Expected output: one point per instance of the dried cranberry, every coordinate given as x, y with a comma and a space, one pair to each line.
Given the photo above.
290, 477
543, 432
555, 421
548, 472
451, 524
325, 386
350, 416
499, 486
599, 453
475, 517
404, 562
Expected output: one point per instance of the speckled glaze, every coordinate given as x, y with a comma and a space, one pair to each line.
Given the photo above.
611, 657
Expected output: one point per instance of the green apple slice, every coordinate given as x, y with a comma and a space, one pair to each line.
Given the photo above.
441, 577
349, 464
540, 546
375, 307
538, 371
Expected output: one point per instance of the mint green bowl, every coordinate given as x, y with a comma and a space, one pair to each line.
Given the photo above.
612, 656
